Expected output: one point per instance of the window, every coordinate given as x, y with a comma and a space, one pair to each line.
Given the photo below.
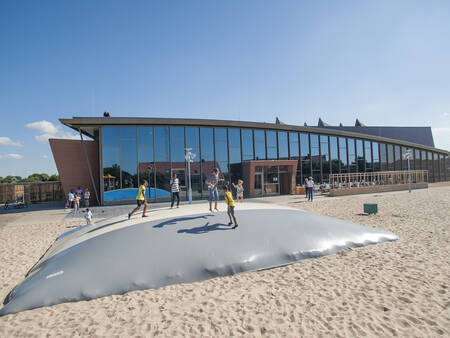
192, 141
234, 140
343, 154
315, 157
417, 160
397, 158
324, 157
383, 157
351, 155
305, 155
247, 144
260, 144
360, 155
334, 155
221, 150
283, 148
390, 157
271, 137
375, 157
161, 144
177, 152
293, 146
368, 155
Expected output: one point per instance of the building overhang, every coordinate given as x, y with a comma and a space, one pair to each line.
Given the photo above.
89, 125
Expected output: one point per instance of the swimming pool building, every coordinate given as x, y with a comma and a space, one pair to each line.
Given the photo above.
271, 158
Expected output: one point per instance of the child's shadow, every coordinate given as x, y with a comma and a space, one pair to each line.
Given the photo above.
205, 229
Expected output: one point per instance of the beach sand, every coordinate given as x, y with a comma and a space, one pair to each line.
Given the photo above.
397, 288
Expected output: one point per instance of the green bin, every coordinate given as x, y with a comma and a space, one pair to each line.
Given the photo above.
370, 208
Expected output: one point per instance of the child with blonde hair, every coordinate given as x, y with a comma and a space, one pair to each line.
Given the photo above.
239, 190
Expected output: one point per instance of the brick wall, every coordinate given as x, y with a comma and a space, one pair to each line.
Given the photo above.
72, 166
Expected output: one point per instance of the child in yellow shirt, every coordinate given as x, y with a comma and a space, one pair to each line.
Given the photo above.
230, 203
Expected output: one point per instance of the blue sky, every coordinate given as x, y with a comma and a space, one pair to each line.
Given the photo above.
385, 62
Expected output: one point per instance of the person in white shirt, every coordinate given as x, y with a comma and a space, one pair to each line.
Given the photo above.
175, 190
71, 198
88, 216
310, 187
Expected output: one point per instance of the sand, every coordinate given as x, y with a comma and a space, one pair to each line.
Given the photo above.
391, 289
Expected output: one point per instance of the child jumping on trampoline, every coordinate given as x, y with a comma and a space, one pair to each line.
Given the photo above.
239, 190
140, 199
230, 203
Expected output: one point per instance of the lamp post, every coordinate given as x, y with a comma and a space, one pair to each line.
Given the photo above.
189, 158
407, 156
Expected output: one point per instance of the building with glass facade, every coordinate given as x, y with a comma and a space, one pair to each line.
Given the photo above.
271, 158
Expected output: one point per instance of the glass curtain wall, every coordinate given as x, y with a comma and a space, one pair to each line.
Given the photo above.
360, 155
294, 154
247, 145
375, 157
146, 165
397, 158
283, 148
315, 157
430, 166
403, 159
305, 156
234, 142
417, 160
221, 152
271, 137
447, 165
334, 157
260, 144
111, 164
442, 167
325, 158
128, 161
192, 135
351, 155
437, 177
368, 155
383, 157
207, 155
390, 157
162, 163
343, 160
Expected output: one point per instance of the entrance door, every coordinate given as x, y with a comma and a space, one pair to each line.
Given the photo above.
258, 191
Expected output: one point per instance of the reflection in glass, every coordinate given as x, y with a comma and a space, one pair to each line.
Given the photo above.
294, 153
161, 144
129, 179
247, 144
111, 156
390, 157
271, 137
207, 144
234, 140
424, 160
375, 157
417, 160
305, 155
283, 148
177, 146
334, 155
403, 159
315, 157
221, 144
260, 144
436, 167
383, 157
128, 151
162, 178
351, 155
343, 154
430, 166
397, 158
192, 141
127, 133
325, 158
145, 136
110, 136
360, 155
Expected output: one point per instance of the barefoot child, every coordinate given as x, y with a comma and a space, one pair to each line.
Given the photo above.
230, 204
88, 216
239, 190
140, 199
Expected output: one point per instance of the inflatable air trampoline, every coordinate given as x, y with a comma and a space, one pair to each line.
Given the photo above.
185, 245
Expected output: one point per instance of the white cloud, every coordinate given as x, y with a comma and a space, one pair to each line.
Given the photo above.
442, 137
6, 141
444, 115
49, 130
14, 156
43, 126
44, 156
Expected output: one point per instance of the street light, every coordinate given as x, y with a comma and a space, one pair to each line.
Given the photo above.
407, 156
189, 158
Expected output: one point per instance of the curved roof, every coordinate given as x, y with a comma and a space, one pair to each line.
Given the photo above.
88, 126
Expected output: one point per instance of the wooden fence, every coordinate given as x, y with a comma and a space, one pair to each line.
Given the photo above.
31, 192
357, 180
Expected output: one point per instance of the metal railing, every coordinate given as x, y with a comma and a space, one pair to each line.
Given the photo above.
31, 192
357, 180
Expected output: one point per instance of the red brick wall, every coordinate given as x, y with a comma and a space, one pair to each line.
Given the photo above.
72, 167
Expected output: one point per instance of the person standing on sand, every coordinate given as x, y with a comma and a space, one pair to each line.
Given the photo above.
239, 190
76, 204
87, 196
230, 209
175, 190
71, 198
212, 181
140, 199
310, 186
